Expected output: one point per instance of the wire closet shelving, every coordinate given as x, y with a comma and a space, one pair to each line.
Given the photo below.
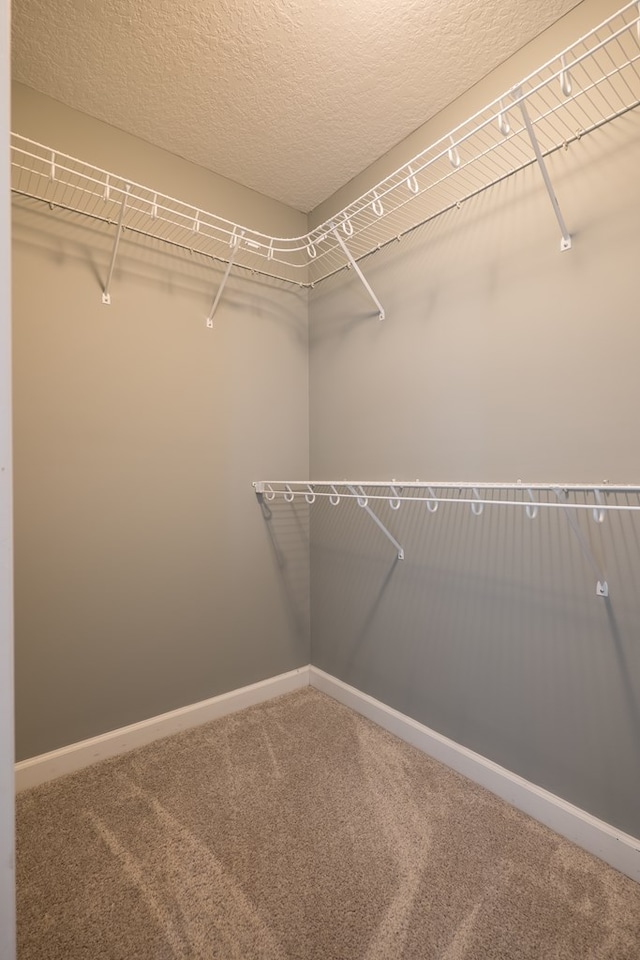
586, 85
571, 499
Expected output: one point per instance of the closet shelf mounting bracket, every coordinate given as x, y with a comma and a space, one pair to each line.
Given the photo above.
106, 296
602, 587
353, 263
565, 241
363, 503
235, 246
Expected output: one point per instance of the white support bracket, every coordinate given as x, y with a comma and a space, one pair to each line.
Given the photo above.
235, 246
106, 296
365, 282
602, 587
565, 242
361, 500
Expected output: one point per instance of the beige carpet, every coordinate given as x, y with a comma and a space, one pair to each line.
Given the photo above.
297, 829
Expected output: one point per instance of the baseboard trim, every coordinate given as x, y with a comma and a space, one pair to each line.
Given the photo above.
57, 763
603, 840
606, 842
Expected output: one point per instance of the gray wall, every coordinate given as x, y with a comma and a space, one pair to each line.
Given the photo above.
146, 578
500, 358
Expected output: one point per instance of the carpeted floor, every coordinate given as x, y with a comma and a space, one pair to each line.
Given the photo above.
297, 829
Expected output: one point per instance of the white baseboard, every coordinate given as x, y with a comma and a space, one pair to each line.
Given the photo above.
606, 842
48, 766
610, 844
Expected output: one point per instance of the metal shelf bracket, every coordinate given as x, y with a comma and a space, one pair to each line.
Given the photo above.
602, 587
362, 501
106, 296
565, 241
352, 262
235, 246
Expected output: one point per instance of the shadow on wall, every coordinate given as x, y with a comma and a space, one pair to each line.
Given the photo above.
443, 246
500, 357
630, 689
463, 247
287, 527
490, 631
63, 237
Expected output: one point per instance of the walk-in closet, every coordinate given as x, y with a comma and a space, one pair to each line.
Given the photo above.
324, 530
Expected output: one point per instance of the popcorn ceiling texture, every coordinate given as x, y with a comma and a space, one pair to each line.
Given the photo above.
290, 97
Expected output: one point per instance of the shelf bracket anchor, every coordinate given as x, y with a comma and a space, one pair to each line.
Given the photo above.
357, 269
235, 246
361, 500
106, 296
565, 242
602, 587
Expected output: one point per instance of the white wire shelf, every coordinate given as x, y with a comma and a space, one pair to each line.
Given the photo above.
591, 82
63, 181
597, 500
529, 496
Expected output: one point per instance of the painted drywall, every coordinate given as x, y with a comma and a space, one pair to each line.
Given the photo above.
145, 575
500, 358
7, 855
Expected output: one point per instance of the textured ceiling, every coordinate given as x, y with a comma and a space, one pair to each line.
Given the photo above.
290, 97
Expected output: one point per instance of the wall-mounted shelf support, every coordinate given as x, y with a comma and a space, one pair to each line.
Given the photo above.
363, 503
531, 498
235, 246
602, 587
106, 296
565, 242
365, 282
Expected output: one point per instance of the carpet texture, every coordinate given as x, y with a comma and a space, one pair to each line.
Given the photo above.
298, 829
